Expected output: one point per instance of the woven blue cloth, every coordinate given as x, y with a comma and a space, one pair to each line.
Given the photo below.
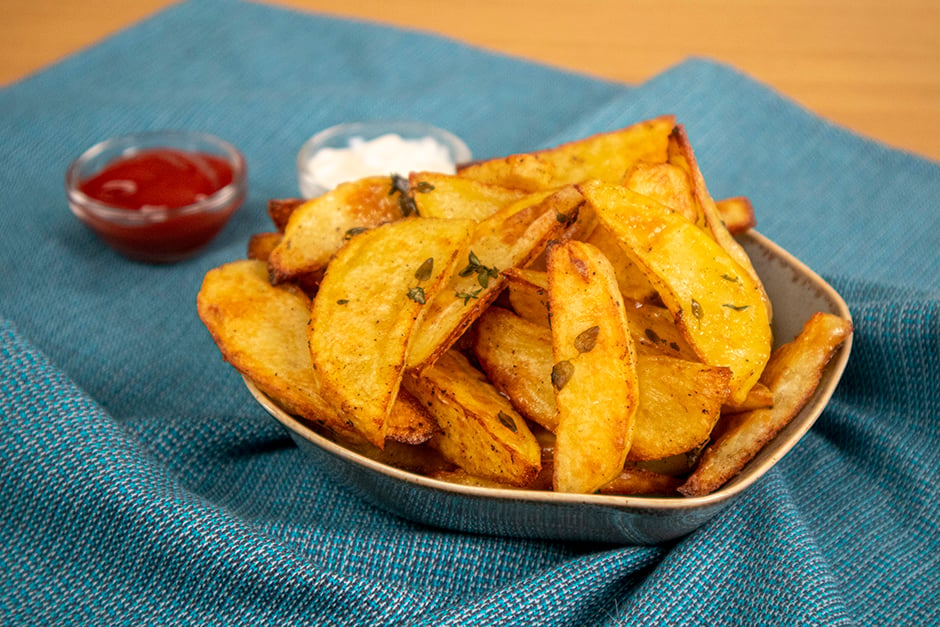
140, 483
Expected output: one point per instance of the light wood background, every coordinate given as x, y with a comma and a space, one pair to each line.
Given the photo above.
873, 67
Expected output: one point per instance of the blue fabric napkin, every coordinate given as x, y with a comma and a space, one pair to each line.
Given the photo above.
140, 483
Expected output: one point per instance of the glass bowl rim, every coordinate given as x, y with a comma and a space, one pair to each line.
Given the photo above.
130, 143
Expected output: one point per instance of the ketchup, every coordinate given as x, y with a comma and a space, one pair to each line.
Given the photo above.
160, 178
149, 185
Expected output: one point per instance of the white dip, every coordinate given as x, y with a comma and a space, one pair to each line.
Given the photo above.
384, 155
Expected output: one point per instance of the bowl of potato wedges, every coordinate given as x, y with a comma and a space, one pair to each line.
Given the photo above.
574, 343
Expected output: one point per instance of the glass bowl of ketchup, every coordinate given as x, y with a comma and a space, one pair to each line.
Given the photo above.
157, 196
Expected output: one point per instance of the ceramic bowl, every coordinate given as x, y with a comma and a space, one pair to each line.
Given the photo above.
796, 292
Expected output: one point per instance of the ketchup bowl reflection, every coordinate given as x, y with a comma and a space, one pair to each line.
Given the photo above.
158, 196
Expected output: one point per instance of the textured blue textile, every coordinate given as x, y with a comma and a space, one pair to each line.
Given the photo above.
140, 484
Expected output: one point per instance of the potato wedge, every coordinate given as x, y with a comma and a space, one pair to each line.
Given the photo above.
370, 299
654, 331
260, 245
737, 213
679, 403
633, 282
759, 396
260, 330
604, 156
280, 210
508, 239
679, 400
439, 195
408, 421
634, 480
481, 432
319, 227
792, 374
516, 356
718, 306
594, 374
682, 155
667, 184
527, 293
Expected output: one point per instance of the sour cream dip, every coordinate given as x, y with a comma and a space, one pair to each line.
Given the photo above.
330, 159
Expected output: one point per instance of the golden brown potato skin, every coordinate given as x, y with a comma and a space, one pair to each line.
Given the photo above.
578, 318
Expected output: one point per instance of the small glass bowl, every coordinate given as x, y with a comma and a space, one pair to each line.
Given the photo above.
314, 181
157, 235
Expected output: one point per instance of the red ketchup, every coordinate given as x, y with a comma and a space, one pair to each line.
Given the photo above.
153, 186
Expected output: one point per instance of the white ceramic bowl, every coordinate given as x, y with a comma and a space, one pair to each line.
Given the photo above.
796, 292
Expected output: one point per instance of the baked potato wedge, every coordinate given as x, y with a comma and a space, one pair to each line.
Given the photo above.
370, 300
594, 371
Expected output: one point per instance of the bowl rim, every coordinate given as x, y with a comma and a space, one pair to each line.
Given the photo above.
775, 450
219, 201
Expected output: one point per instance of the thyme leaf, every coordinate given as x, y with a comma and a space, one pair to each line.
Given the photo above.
406, 201
466, 296
484, 273
417, 295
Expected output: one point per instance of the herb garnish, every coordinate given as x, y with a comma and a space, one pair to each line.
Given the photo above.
423, 273
466, 296
484, 274
354, 231
735, 307
697, 310
406, 199
406, 202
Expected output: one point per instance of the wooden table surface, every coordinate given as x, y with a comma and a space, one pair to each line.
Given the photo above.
871, 66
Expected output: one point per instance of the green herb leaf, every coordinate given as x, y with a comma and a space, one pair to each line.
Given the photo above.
416, 294
466, 296
697, 310
484, 273
406, 202
736, 307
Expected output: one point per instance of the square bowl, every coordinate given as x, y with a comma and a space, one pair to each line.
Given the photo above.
796, 293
